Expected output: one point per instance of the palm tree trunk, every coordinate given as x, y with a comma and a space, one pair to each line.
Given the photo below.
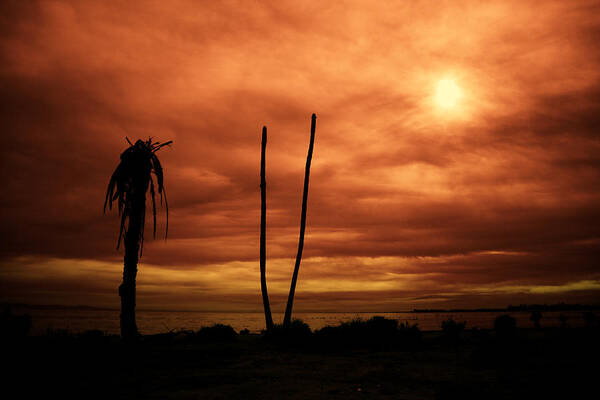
133, 235
263, 233
290, 303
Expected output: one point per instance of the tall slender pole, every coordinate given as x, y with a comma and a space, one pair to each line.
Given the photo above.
263, 233
290, 303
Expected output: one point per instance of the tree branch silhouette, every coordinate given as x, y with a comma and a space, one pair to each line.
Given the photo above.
290, 303
263, 233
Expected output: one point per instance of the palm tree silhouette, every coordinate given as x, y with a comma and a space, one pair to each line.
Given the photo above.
128, 185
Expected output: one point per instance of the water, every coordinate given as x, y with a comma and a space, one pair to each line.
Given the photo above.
150, 322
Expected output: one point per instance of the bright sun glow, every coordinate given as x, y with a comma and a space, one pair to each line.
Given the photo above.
447, 93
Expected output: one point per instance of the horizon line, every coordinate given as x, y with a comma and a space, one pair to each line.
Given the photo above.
510, 307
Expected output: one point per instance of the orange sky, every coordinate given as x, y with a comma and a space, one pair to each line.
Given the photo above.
491, 200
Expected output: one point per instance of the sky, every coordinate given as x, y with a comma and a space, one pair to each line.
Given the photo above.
456, 161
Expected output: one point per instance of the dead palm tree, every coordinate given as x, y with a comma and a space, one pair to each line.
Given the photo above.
128, 185
287, 319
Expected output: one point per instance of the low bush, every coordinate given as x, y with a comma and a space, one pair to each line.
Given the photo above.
535, 317
375, 332
505, 326
452, 329
563, 320
409, 335
298, 333
217, 333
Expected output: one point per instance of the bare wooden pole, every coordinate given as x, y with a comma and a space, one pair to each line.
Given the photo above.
263, 233
290, 303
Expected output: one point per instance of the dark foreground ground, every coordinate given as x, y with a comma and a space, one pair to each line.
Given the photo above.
547, 363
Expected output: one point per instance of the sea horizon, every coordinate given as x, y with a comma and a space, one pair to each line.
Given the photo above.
79, 319
520, 307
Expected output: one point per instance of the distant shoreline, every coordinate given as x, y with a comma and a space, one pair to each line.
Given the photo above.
510, 308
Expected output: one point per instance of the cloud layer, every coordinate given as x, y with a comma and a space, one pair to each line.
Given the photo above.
409, 204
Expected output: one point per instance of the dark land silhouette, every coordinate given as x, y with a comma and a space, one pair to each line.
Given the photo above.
375, 358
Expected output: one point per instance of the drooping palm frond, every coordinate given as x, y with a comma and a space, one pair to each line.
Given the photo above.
158, 171
133, 177
153, 195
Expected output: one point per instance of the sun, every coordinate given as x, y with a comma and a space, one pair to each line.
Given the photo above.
447, 93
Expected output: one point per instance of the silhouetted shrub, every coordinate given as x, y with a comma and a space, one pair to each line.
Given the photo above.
409, 334
563, 320
535, 317
453, 329
505, 326
14, 326
297, 333
345, 334
382, 328
376, 332
245, 331
217, 333
382, 324
372, 331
